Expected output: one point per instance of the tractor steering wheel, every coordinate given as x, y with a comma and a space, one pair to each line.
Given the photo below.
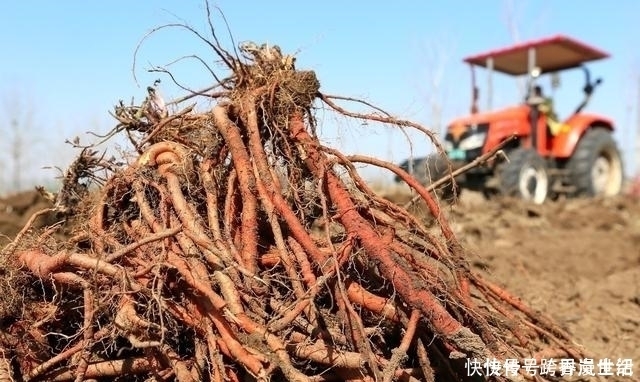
588, 89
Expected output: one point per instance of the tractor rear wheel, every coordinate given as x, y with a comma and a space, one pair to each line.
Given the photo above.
525, 176
595, 167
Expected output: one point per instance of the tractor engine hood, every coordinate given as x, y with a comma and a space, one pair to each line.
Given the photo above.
466, 136
510, 113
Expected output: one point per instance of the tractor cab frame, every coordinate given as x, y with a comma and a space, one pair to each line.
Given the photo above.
575, 156
535, 58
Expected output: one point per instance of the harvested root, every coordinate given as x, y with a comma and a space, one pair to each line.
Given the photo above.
232, 249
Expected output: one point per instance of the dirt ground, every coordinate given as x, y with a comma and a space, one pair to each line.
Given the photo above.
15, 211
577, 260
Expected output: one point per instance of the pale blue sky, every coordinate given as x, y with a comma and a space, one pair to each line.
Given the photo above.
71, 60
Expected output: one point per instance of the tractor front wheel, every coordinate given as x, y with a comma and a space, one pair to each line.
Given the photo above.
595, 168
525, 176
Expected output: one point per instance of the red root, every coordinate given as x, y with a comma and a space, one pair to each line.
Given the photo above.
233, 250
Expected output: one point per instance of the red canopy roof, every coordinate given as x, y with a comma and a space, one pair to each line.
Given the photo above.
552, 54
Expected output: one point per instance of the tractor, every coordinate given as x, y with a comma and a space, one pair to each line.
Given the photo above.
544, 157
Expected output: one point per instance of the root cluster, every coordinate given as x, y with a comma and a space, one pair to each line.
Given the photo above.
238, 247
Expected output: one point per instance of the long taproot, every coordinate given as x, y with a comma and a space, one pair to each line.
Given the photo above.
443, 323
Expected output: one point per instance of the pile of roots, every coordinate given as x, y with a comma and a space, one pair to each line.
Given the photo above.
238, 247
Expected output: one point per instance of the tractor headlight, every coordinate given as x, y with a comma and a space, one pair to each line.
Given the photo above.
473, 142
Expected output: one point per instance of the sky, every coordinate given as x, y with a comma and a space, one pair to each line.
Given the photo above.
65, 64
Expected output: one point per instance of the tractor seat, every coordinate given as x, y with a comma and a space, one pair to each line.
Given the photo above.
553, 122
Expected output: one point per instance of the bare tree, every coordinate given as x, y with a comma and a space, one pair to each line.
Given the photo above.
435, 58
515, 16
17, 127
513, 20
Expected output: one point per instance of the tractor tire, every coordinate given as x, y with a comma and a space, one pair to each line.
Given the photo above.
595, 168
525, 176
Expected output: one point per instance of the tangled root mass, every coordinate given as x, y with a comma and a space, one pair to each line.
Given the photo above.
232, 249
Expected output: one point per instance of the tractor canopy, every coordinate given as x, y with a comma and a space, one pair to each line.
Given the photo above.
551, 54
507, 114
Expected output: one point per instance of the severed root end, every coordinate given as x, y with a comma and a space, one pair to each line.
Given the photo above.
469, 345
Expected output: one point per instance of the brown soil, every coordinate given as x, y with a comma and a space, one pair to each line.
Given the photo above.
15, 211
578, 260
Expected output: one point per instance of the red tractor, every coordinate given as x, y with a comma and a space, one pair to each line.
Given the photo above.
548, 157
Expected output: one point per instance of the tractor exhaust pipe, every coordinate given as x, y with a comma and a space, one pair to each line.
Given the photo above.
534, 112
